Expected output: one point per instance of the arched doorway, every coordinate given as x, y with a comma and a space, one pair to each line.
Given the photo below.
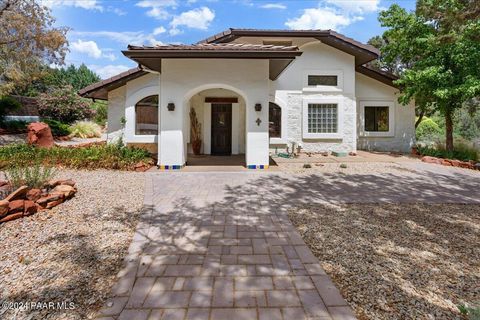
216, 117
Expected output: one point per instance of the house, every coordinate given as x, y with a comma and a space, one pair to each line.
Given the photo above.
255, 91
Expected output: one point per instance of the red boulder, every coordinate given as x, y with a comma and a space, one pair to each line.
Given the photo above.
29, 207
39, 134
34, 194
16, 206
12, 217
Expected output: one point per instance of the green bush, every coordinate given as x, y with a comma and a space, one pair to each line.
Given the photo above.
109, 156
101, 113
58, 129
32, 176
86, 129
8, 104
462, 151
428, 130
14, 125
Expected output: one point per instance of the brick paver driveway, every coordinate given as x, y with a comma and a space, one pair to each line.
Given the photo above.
220, 246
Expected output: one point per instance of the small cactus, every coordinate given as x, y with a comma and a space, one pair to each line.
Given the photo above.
343, 166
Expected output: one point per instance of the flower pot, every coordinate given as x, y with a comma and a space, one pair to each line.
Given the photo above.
196, 146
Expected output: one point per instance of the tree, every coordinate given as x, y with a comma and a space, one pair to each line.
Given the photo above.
27, 41
52, 78
440, 45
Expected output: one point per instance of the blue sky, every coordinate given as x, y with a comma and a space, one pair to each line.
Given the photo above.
100, 29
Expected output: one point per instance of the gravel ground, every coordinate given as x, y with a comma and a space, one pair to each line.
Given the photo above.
392, 261
352, 168
72, 252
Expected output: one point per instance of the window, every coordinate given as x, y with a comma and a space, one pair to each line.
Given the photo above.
322, 118
274, 120
146, 116
376, 119
322, 80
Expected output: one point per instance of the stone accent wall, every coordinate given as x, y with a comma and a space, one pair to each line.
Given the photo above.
294, 127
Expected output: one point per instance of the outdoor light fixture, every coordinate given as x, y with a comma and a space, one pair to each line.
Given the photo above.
171, 106
258, 107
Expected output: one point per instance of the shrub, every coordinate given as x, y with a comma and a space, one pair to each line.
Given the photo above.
428, 130
58, 129
8, 104
86, 129
101, 113
462, 151
32, 176
14, 125
109, 156
64, 105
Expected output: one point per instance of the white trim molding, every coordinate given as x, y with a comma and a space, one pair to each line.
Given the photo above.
132, 100
339, 101
323, 72
391, 118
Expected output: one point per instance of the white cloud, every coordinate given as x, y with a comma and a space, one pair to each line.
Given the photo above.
333, 14
158, 8
109, 70
124, 38
199, 18
356, 6
85, 4
274, 6
89, 48
158, 31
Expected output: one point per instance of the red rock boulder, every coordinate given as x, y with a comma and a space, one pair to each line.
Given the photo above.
34, 194
29, 208
39, 134
3, 207
16, 206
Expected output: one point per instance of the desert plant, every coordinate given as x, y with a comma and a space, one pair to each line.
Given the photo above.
472, 312
86, 129
196, 132
111, 156
58, 129
64, 105
343, 166
8, 104
101, 112
32, 176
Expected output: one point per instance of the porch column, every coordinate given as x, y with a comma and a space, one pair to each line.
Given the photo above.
257, 144
171, 141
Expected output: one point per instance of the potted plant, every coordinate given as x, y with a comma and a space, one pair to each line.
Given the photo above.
196, 132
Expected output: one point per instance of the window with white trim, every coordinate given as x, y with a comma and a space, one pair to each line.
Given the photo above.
322, 80
146, 116
377, 118
322, 118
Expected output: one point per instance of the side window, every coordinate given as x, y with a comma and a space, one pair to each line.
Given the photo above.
146, 116
323, 80
274, 120
377, 119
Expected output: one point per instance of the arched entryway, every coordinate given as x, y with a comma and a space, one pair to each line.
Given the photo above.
215, 122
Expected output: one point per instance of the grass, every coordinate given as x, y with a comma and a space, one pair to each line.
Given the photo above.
462, 151
86, 129
32, 176
92, 157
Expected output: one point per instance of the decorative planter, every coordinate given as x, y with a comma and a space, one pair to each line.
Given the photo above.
196, 146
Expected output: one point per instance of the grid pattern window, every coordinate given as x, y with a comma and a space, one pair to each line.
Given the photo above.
327, 80
146, 116
274, 120
322, 118
376, 119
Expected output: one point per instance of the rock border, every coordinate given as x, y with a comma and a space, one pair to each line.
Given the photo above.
452, 163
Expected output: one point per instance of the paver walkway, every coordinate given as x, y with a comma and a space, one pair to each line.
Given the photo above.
220, 246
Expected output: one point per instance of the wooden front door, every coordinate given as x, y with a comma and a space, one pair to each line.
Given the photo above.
221, 129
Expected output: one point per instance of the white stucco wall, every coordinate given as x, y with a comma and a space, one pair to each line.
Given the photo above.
290, 91
402, 137
116, 110
183, 78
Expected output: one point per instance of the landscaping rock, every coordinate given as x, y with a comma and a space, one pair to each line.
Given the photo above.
3, 183
3, 207
16, 206
66, 190
39, 134
55, 203
34, 194
30, 208
49, 198
55, 182
11, 217
429, 159
477, 165
446, 162
19, 193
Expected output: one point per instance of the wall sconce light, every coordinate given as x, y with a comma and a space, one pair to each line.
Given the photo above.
171, 106
258, 107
